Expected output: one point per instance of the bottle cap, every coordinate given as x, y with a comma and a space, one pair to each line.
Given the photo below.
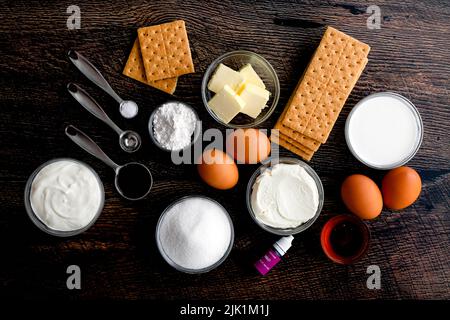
283, 244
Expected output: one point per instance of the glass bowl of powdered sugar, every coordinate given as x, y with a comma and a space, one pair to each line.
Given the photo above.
174, 126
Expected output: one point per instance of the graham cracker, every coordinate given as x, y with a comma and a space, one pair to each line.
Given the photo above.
165, 50
350, 66
285, 144
334, 70
295, 143
302, 103
134, 68
325, 115
295, 135
177, 47
317, 75
308, 142
327, 54
291, 145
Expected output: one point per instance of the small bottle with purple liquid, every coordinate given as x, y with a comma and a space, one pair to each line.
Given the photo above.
273, 255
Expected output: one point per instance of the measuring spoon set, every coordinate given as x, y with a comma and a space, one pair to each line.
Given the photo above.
133, 180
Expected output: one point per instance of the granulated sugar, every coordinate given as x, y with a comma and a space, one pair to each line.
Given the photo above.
195, 233
173, 125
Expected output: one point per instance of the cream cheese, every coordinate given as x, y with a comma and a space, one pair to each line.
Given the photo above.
65, 195
284, 196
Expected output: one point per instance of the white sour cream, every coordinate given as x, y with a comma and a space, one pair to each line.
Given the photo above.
284, 196
66, 195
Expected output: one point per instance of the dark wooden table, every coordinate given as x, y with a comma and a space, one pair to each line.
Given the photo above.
117, 256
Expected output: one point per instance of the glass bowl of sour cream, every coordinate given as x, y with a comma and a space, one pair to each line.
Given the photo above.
284, 196
64, 197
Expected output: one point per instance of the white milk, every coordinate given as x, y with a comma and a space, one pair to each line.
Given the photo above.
384, 130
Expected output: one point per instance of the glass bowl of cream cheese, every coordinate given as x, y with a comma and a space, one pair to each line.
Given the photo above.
284, 196
64, 197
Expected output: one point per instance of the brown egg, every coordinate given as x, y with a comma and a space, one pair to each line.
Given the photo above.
248, 145
218, 169
362, 196
401, 187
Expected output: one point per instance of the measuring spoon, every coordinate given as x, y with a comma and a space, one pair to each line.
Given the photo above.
128, 109
133, 180
129, 140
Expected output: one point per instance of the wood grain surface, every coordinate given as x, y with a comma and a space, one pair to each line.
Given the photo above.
118, 256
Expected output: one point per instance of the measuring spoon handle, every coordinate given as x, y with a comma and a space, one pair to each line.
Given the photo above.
91, 105
92, 73
87, 144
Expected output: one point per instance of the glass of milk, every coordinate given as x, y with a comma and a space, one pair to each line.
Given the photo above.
384, 130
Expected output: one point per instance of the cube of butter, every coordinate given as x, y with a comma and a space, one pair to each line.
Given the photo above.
249, 74
255, 99
226, 104
224, 76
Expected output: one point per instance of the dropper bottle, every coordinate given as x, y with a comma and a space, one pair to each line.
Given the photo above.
273, 255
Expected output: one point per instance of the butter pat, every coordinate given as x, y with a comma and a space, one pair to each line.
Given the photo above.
224, 76
255, 99
249, 74
226, 104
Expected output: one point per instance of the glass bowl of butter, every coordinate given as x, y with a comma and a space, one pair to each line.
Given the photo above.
284, 196
240, 89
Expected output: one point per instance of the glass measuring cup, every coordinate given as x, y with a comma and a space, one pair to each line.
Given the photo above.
133, 180
129, 140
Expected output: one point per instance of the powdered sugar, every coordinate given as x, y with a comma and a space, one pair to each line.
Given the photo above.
173, 125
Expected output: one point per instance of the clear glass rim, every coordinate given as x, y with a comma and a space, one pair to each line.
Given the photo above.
195, 135
212, 67
170, 261
364, 228
266, 164
119, 189
419, 122
41, 225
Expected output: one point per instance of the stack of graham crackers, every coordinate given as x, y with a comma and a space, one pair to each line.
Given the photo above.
160, 55
319, 97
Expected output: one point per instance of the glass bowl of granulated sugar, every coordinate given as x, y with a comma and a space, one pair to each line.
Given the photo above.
174, 126
195, 234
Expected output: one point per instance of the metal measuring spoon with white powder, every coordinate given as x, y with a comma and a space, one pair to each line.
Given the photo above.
128, 108
129, 140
